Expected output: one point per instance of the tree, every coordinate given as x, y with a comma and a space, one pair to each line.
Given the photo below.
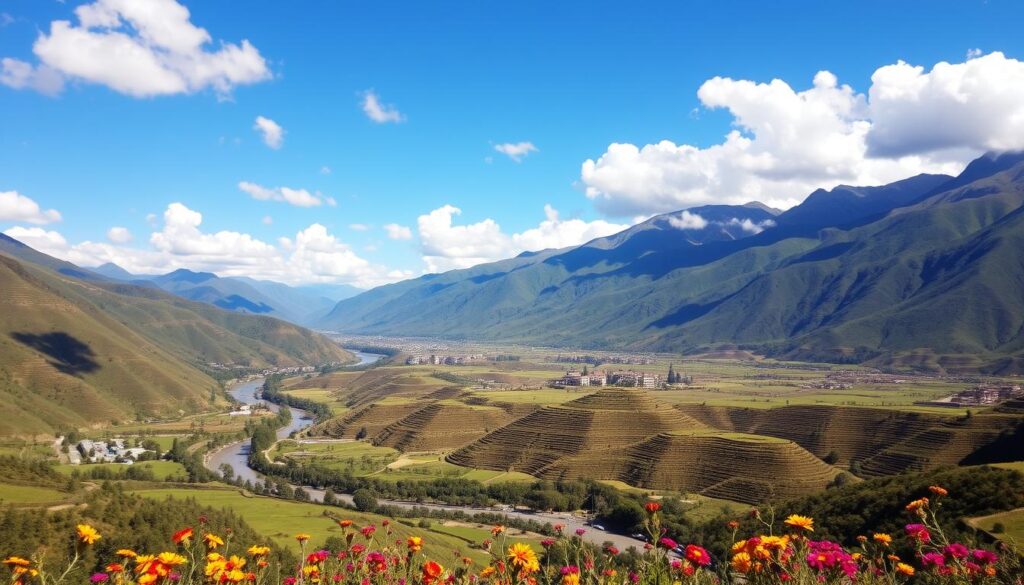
329, 498
361, 434
671, 374
364, 500
832, 458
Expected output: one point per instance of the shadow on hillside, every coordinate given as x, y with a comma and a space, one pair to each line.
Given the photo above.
69, 355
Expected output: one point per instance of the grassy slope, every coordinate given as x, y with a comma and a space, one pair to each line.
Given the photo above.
76, 353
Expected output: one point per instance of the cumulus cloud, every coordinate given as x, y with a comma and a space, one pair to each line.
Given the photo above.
788, 142
749, 226
119, 235
312, 255
271, 131
398, 232
16, 207
687, 221
141, 48
446, 246
379, 112
296, 197
516, 151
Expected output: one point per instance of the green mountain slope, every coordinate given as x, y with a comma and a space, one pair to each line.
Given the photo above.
76, 353
926, 274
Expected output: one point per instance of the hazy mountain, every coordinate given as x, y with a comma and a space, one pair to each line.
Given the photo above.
77, 352
922, 271
301, 304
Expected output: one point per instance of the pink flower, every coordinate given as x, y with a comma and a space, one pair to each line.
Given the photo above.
668, 543
932, 559
580, 532
99, 577
955, 551
984, 557
918, 532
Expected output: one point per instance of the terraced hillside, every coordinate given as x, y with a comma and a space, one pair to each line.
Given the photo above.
742, 468
882, 442
626, 435
442, 425
366, 422
612, 418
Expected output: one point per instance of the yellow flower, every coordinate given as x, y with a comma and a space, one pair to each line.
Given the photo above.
571, 579
87, 534
738, 546
882, 538
905, 569
259, 551
146, 579
302, 537
171, 559
486, 572
415, 543
126, 553
800, 522
213, 541
522, 556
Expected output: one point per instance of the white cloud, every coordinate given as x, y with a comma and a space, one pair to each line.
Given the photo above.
267, 220
119, 235
16, 207
325, 170
141, 48
398, 232
973, 106
379, 112
359, 227
46, 241
788, 142
972, 53
555, 232
312, 255
749, 226
516, 151
271, 131
446, 246
688, 221
18, 74
296, 197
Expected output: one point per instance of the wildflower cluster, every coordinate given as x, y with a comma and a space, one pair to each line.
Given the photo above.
372, 555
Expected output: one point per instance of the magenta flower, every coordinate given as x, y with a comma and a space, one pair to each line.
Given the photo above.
99, 577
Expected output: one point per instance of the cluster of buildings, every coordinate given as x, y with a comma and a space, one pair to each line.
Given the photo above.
637, 360
981, 395
443, 360
623, 378
112, 451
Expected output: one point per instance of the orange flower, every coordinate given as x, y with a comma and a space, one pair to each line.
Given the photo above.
126, 553
905, 569
938, 490
882, 538
87, 534
415, 544
115, 568
344, 523
522, 556
571, 579
182, 536
917, 505
741, 562
497, 529
486, 572
17, 562
302, 537
800, 522
431, 572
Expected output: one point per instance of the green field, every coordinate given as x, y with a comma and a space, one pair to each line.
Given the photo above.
280, 520
161, 469
23, 494
1012, 521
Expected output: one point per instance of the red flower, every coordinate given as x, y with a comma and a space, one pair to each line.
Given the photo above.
697, 555
182, 536
668, 543
652, 507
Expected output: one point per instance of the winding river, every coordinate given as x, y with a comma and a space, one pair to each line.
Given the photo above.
237, 456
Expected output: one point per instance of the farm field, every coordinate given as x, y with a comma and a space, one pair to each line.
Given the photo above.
1012, 525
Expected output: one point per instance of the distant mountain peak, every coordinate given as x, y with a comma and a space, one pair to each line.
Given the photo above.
188, 275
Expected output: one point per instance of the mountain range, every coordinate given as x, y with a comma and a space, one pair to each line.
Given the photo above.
79, 349
299, 304
925, 272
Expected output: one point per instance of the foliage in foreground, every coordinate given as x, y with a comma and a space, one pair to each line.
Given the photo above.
786, 552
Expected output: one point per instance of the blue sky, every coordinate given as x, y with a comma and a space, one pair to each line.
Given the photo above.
105, 149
